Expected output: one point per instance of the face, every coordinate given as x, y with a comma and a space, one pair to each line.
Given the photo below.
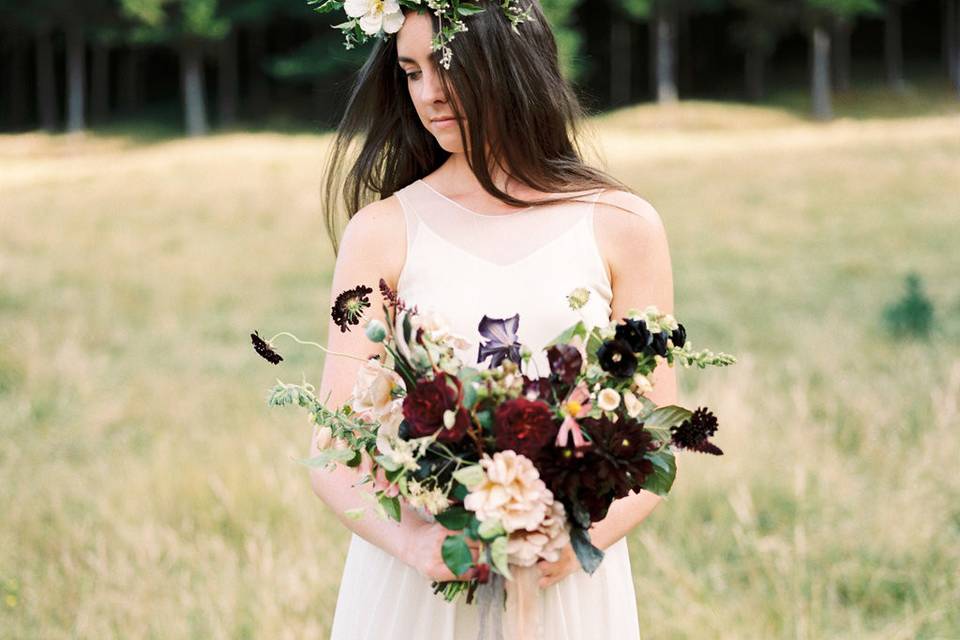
423, 81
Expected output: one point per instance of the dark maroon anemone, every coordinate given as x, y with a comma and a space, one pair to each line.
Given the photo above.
693, 432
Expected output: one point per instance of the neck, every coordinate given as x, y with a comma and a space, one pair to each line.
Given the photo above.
458, 172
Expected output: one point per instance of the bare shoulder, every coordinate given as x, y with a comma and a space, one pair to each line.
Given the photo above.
376, 235
627, 227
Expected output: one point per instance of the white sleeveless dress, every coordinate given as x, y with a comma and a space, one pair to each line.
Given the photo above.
464, 264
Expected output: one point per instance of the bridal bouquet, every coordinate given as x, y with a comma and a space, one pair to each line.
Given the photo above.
519, 462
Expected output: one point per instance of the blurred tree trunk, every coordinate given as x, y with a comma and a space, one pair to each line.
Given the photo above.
754, 63
100, 83
228, 92
191, 78
820, 72
664, 34
620, 58
130, 85
893, 46
17, 87
258, 95
46, 80
76, 77
842, 29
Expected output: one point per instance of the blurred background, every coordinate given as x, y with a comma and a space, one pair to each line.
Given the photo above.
159, 195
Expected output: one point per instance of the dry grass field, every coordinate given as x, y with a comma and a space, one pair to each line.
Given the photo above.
147, 491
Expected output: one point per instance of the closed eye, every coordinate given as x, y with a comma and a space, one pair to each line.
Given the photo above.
412, 73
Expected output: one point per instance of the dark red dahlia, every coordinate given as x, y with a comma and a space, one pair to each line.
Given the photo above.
621, 447
526, 426
424, 406
693, 432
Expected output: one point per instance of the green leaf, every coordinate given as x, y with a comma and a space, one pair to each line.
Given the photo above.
593, 343
566, 336
472, 530
485, 418
455, 518
664, 472
588, 555
667, 416
469, 395
498, 556
326, 457
387, 463
391, 506
469, 476
491, 529
354, 514
459, 492
354, 460
456, 554
469, 9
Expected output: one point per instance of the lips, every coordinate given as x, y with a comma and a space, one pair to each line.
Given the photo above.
442, 119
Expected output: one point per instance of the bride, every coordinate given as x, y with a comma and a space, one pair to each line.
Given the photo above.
470, 197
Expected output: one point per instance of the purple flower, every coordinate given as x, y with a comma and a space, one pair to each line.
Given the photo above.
501, 335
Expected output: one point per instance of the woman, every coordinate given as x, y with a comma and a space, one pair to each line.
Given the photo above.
486, 208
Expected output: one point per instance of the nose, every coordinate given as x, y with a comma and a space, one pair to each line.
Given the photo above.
432, 90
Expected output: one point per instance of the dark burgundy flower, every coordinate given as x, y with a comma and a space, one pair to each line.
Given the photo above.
526, 426
658, 343
679, 336
634, 332
424, 406
565, 362
616, 357
537, 388
349, 305
264, 348
392, 298
693, 432
621, 447
483, 573
501, 335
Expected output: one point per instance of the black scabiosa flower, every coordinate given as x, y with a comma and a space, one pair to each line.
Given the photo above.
634, 332
679, 336
616, 358
264, 348
349, 305
693, 432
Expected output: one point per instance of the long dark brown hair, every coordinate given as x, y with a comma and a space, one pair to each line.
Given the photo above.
532, 130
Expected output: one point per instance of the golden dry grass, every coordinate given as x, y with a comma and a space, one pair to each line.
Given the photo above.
147, 491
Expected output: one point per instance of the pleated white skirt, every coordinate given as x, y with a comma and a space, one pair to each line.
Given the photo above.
382, 598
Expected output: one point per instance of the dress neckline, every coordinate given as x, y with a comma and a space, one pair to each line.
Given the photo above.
527, 209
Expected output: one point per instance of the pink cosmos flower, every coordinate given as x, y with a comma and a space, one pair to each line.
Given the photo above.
575, 405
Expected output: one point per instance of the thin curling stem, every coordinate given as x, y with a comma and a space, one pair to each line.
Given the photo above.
314, 344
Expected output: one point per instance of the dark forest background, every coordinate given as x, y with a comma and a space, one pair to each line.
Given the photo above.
193, 66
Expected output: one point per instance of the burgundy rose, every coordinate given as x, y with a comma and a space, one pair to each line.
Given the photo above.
525, 426
424, 406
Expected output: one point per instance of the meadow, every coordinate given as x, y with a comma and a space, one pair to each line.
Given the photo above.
147, 491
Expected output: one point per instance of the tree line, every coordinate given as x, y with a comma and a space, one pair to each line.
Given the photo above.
65, 56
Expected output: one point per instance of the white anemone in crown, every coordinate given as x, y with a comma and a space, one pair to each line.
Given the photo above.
376, 14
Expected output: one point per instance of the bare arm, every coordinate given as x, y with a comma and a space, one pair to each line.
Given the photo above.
636, 250
372, 247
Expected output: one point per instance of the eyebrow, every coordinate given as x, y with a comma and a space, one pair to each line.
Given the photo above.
406, 59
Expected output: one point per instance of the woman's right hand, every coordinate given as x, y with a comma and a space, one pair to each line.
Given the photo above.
424, 552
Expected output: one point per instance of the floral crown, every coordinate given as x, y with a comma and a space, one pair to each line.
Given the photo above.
377, 18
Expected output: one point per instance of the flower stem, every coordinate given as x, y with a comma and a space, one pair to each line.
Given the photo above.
314, 344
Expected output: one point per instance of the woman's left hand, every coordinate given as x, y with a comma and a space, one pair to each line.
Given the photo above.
553, 572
